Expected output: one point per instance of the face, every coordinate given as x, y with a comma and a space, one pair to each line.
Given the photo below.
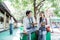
41, 14
30, 14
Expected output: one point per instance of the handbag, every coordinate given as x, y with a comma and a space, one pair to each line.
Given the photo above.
48, 29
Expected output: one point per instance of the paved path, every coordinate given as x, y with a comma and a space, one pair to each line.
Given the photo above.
16, 35
6, 36
55, 36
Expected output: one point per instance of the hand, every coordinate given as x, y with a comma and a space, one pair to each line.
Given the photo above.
25, 32
34, 23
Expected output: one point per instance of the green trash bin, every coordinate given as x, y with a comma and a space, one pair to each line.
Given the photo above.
33, 35
48, 36
24, 37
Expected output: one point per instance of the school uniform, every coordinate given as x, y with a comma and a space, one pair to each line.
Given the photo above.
28, 27
42, 32
11, 22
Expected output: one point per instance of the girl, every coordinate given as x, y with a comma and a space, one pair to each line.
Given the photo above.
42, 31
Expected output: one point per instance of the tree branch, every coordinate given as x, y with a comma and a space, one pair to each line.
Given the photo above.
39, 8
40, 3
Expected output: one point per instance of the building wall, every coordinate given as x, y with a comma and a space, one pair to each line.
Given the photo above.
4, 24
1, 20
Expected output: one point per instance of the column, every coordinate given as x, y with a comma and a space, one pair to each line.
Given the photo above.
5, 20
8, 20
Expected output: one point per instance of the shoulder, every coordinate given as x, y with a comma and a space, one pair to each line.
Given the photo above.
32, 17
25, 18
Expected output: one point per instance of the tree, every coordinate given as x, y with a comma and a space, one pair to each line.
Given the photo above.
35, 5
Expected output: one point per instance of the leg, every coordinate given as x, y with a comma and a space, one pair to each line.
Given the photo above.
11, 29
44, 35
30, 31
29, 35
39, 36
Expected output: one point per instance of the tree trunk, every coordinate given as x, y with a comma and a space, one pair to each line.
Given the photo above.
35, 9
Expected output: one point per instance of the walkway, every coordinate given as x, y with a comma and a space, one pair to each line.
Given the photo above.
6, 36
16, 35
55, 36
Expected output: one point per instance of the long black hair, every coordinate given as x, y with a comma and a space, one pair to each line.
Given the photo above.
40, 19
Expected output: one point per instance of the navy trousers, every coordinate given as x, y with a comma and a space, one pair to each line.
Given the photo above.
11, 29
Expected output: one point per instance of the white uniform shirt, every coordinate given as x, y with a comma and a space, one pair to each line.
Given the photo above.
26, 23
11, 20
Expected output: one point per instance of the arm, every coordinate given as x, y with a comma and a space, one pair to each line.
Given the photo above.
24, 24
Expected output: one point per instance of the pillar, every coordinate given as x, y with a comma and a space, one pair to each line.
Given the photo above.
5, 20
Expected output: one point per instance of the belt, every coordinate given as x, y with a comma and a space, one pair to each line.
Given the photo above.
29, 28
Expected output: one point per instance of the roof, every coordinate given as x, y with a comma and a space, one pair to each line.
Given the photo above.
4, 8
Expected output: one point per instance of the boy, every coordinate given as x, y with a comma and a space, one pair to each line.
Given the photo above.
29, 23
